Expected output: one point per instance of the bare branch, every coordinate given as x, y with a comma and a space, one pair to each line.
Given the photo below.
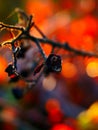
59, 45
6, 26
24, 33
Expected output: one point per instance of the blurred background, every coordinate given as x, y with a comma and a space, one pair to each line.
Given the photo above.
65, 101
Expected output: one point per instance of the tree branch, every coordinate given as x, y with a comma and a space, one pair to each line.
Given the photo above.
24, 33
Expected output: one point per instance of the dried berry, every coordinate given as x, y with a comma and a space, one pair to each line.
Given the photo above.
53, 63
14, 77
10, 69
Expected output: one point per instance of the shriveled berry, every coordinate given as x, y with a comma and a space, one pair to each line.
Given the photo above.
14, 77
10, 69
53, 63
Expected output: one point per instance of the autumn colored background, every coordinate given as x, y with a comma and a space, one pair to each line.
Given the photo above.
65, 101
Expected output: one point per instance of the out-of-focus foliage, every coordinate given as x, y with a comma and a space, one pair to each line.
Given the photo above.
64, 101
7, 8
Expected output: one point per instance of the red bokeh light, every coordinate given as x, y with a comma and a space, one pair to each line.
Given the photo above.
55, 116
61, 127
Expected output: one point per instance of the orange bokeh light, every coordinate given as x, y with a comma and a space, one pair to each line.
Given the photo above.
74, 27
46, 83
88, 43
87, 6
92, 68
47, 49
3, 65
9, 114
81, 26
91, 25
69, 70
40, 9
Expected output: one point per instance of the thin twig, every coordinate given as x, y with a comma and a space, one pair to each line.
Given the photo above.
40, 49
29, 24
2, 26
59, 45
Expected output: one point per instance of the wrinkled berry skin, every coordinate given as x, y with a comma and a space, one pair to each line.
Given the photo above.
10, 70
14, 77
53, 63
17, 92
